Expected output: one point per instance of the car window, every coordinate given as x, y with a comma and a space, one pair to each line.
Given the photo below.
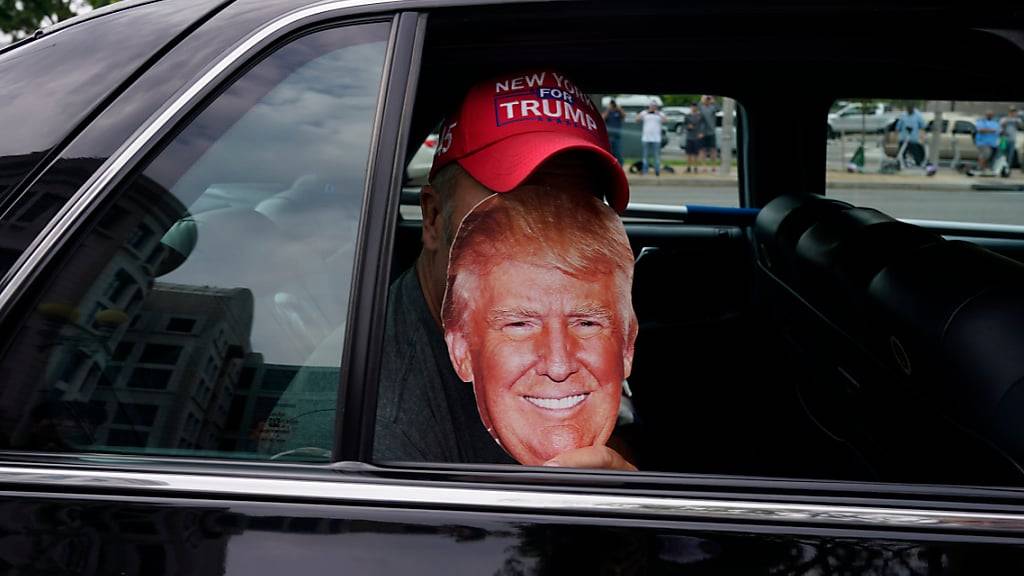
429, 408
203, 312
900, 164
963, 127
688, 167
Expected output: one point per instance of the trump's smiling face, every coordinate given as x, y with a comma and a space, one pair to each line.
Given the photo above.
547, 354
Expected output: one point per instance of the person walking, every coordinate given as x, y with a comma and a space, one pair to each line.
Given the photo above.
908, 127
650, 137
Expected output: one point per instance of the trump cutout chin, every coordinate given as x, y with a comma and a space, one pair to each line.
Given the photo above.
538, 317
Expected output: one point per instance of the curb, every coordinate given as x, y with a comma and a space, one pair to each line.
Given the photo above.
915, 184
935, 185
712, 182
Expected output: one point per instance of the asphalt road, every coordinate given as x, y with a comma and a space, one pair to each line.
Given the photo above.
962, 206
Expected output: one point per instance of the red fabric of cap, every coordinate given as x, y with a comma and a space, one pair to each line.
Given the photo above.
506, 127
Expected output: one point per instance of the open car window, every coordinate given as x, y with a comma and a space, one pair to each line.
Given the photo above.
695, 160
891, 154
430, 410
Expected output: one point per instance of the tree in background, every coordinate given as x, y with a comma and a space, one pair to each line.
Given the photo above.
19, 18
679, 99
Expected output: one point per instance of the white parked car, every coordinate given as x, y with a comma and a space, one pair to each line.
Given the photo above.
418, 170
856, 118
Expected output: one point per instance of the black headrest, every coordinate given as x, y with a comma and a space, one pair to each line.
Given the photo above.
781, 223
948, 310
828, 251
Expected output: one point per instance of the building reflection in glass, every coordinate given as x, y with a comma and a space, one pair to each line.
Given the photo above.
145, 340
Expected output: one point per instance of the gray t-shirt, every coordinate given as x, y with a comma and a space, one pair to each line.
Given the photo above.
425, 413
1011, 125
708, 111
696, 126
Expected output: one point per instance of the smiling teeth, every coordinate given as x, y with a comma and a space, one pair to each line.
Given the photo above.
556, 403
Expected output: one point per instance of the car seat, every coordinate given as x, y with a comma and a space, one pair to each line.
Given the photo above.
872, 305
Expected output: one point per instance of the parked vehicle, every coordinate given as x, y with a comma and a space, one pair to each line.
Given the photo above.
676, 118
956, 140
201, 213
855, 118
677, 121
418, 169
633, 104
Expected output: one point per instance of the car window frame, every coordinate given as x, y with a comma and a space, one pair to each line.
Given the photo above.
564, 478
364, 336
969, 131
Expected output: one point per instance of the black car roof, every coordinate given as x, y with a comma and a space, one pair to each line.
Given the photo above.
56, 81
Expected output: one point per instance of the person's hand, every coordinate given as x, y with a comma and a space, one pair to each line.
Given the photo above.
601, 457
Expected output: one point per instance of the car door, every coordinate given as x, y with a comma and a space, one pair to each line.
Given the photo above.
963, 135
191, 278
224, 274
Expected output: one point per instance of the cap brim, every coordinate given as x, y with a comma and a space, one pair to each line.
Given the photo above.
508, 163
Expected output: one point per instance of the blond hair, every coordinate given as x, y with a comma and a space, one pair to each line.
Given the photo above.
568, 230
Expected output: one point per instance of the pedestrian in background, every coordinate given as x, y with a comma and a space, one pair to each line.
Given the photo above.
908, 127
709, 109
1011, 125
613, 117
650, 137
986, 138
694, 138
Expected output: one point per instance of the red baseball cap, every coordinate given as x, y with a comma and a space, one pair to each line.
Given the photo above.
506, 127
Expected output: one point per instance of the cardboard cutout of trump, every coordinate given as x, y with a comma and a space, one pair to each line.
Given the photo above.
538, 315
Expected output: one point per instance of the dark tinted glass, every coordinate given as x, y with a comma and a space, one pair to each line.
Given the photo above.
52, 84
205, 309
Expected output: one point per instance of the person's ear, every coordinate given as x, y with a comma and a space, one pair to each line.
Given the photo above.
630, 347
458, 351
433, 225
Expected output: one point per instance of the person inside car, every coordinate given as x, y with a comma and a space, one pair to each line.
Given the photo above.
538, 316
536, 129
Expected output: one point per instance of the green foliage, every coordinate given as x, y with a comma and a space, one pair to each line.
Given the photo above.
679, 99
19, 18
902, 104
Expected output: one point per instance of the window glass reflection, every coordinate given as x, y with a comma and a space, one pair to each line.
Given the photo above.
204, 312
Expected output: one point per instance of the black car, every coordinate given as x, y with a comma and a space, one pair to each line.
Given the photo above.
202, 208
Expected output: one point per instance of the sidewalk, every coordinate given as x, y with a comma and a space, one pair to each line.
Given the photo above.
706, 180
912, 180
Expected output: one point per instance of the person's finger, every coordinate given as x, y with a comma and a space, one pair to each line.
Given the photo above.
601, 457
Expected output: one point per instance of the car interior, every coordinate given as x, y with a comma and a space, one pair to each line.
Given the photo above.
821, 340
